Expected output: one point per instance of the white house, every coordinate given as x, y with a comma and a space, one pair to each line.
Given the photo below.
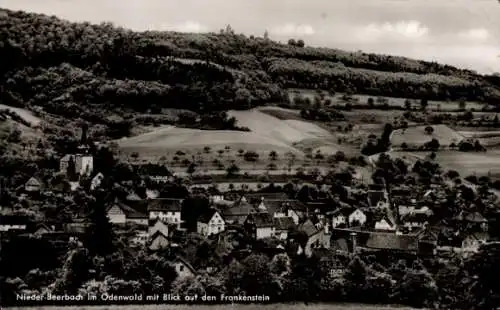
168, 210
84, 163
261, 225
472, 242
386, 224
357, 218
120, 213
210, 223
340, 217
116, 214
33, 185
282, 225
96, 181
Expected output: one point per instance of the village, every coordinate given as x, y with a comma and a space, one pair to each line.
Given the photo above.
400, 220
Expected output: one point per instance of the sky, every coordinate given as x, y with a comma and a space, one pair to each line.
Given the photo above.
464, 33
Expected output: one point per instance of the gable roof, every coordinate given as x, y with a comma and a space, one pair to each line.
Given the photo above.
183, 261
33, 182
165, 205
283, 223
341, 212
207, 216
308, 228
239, 208
261, 220
132, 209
390, 241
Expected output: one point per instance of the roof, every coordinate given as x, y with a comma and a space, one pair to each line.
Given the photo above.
415, 217
260, 220
185, 263
132, 209
341, 212
157, 234
309, 228
239, 208
207, 216
388, 241
165, 204
474, 217
283, 223
266, 196
481, 236
33, 182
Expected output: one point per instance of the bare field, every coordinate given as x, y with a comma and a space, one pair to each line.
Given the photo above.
416, 136
268, 133
27, 115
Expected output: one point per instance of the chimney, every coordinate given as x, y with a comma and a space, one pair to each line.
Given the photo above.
353, 236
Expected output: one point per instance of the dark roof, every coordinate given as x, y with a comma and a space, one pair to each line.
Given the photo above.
207, 216
374, 197
261, 220
341, 211
283, 223
415, 217
165, 204
239, 208
156, 234
185, 263
309, 228
14, 219
388, 241
266, 196
427, 235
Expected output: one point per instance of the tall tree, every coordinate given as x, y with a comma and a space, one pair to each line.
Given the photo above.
100, 233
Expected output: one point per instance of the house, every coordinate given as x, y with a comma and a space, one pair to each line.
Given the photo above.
473, 220
331, 262
357, 218
215, 194
378, 199
13, 222
158, 241
183, 268
258, 197
74, 185
42, 229
414, 220
120, 213
385, 223
427, 240
96, 181
238, 212
473, 241
340, 217
84, 163
260, 225
282, 225
168, 210
211, 222
316, 238
158, 225
297, 211
152, 194
33, 185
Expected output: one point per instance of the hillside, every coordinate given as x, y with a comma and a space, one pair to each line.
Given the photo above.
107, 75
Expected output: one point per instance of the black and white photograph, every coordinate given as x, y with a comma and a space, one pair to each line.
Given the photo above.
250, 154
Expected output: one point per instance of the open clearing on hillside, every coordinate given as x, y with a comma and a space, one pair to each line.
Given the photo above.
417, 136
268, 133
282, 306
23, 113
489, 138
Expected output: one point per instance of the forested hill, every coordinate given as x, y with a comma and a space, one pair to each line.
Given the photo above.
66, 67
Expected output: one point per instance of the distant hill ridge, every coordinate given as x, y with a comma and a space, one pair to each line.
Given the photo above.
81, 70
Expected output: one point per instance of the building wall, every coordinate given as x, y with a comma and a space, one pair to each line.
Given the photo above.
167, 216
357, 216
158, 226
294, 216
85, 165
116, 215
264, 232
281, 234
32, 188
202, 228
337, 220
383, 225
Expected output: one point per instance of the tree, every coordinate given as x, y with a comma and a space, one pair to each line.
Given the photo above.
408, 104
424, 103
462, 104
300, 43
191, 169
429, 130
273, 155
71, 169
292, 42
232, 170
100, 233
207, 149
